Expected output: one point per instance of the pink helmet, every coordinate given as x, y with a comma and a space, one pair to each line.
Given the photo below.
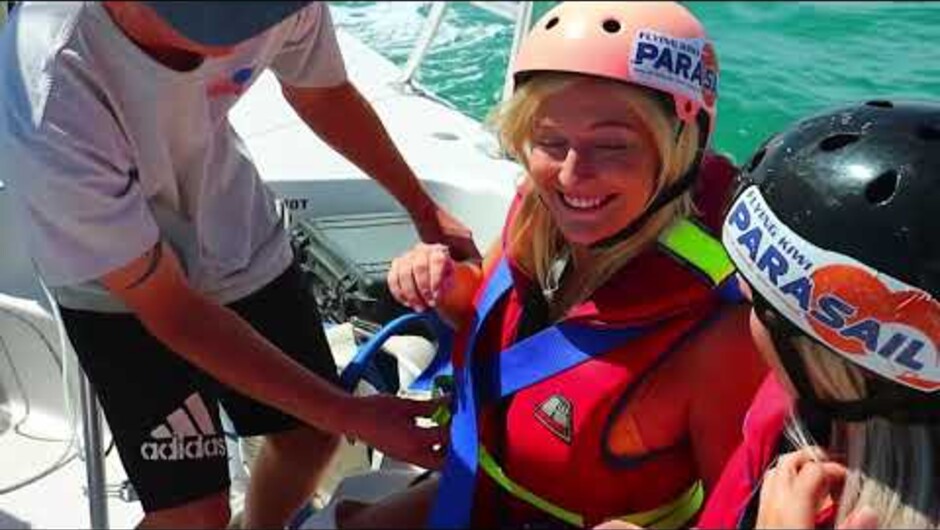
658, 45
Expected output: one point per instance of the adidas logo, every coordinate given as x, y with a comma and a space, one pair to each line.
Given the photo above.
188, 434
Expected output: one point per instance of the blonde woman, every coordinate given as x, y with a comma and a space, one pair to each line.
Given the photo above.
594, 342
835, 232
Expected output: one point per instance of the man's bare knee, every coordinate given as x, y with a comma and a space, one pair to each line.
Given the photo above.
301, 440
207, 512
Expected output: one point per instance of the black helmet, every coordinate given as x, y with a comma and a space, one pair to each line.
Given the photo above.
836, 225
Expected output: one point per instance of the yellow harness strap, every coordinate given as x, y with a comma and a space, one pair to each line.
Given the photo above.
695, 246
675, 514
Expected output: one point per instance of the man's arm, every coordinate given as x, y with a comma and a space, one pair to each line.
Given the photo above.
198, 328
342, 117
220, 342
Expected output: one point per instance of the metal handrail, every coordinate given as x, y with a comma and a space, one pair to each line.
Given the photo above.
522, 22
505, 10
94, 456
424, 42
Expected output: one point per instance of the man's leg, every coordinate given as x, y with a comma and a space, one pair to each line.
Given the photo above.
294, 456
208, 512
166, 428
285, 473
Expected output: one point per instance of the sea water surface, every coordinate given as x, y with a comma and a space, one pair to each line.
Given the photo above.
779, 61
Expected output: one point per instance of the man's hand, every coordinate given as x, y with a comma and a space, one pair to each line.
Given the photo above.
426, 276
389, 424
435, 225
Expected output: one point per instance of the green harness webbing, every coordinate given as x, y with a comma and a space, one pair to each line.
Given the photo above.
698, 248
675, 514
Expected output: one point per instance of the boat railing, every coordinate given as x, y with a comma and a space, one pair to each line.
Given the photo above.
423, 44
520, 13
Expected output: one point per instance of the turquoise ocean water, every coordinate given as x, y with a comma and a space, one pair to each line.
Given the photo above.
778, 60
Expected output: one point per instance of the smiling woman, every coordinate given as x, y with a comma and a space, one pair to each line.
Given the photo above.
598, 151
592, 158
599, 324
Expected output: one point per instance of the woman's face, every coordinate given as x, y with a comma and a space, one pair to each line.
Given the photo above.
593, 162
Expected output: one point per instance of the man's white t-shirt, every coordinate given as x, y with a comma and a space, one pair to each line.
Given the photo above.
108, 151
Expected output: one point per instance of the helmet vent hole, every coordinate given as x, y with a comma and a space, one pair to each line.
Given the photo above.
611, 26
551, 23
880, 103
838, 141
929, 132
756, 160
880, 190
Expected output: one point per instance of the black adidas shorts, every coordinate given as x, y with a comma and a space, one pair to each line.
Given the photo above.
163, 411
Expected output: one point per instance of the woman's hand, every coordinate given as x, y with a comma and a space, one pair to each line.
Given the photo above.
795, 490
418, 277
427, 276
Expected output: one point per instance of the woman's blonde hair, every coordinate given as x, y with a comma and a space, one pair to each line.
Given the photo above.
893, 467
533, 239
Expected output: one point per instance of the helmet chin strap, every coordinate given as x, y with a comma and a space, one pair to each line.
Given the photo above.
889, 400
666, 196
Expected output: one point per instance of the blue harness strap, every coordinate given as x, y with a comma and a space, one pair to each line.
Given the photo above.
560, 347
454, 498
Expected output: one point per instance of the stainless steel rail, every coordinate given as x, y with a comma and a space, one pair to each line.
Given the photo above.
518, 12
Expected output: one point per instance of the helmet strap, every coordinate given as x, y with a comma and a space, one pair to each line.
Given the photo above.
666, 196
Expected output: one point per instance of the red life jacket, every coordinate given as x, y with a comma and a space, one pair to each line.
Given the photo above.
739, 484
557, 437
